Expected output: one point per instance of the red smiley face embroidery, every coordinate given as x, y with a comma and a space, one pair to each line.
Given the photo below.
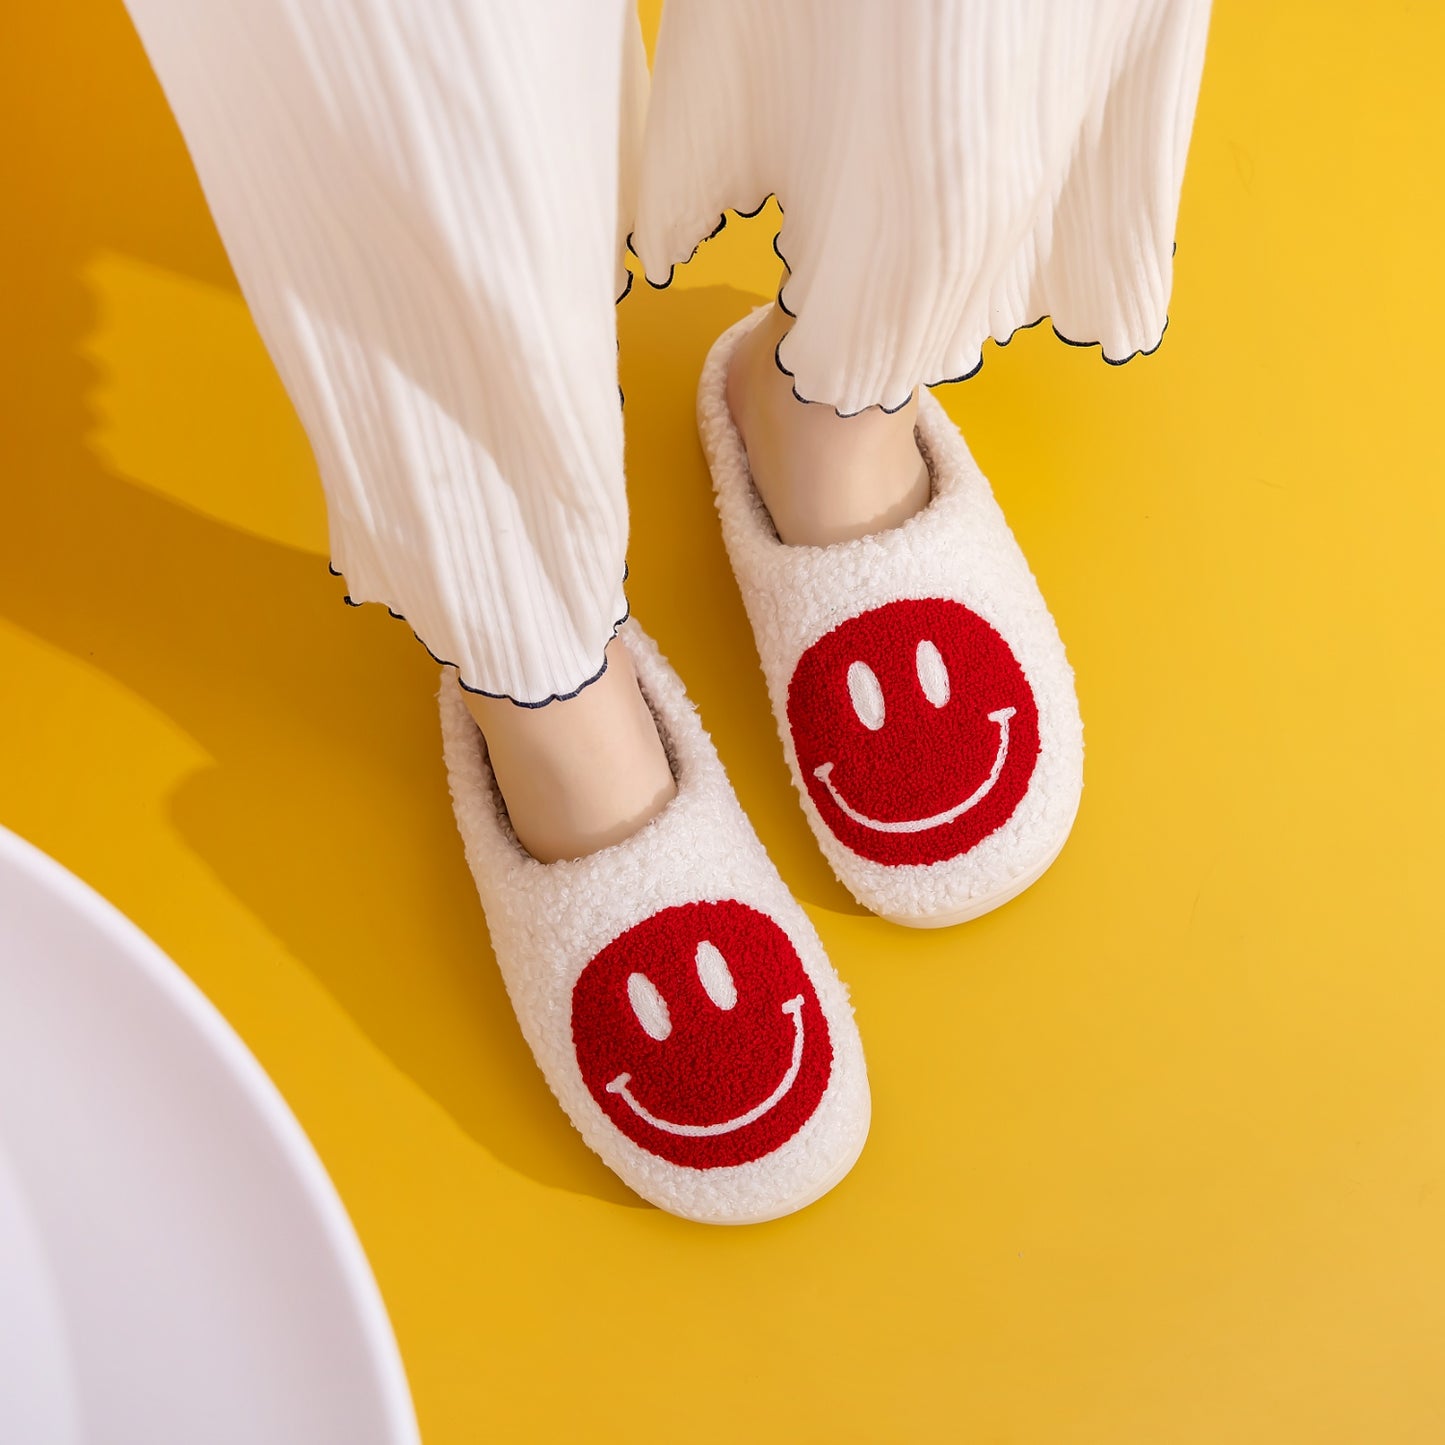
700, 1036
915, 730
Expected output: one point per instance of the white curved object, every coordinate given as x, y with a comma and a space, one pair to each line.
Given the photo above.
176, 1264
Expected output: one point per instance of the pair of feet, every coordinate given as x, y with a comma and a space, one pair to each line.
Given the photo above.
586, 773
675, 995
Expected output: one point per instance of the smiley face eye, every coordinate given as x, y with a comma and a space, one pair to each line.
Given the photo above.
715, 976
649, 1006
932, 674
866, 695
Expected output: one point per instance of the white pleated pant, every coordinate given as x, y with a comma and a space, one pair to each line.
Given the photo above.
425, 203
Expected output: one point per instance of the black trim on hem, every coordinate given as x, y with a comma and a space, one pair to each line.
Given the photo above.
783, 305
722, 221
974, 371
946, 380
793, 315
841, 415
350, 601
626, 292
1108, 360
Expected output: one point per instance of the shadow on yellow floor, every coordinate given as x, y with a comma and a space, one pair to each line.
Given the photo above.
323, 803
320, 724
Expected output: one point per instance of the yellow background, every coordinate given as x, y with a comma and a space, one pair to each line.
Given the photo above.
1157, 1151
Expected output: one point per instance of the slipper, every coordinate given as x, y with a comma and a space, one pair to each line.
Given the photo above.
675, 996
919, 685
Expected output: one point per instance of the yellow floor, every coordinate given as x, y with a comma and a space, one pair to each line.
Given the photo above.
1157, 1152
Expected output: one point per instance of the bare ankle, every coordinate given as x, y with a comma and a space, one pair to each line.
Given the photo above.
824, 478
582, 774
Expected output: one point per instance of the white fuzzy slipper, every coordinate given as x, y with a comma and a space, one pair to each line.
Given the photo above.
675, 995
922, 694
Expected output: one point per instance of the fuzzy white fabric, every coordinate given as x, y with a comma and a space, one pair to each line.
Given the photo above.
547, 922
958, 547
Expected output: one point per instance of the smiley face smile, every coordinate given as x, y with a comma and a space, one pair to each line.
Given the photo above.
794, 1006
922, 825
900, 712
700, 1035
